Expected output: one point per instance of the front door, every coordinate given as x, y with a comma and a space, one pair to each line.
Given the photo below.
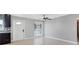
18, 29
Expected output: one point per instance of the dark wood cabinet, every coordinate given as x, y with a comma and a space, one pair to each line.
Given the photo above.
7, 20
5, 35
5, 38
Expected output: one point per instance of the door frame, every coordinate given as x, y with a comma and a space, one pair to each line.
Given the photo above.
42, 27
77, 31
13, 18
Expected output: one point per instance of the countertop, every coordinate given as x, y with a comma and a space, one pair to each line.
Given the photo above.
5, 32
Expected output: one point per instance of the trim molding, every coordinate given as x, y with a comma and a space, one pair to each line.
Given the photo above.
62, 40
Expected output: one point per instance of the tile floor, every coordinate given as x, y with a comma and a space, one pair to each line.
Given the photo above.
40, 41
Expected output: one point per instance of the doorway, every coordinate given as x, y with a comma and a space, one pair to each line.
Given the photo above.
77, 30
18, 29
39, 28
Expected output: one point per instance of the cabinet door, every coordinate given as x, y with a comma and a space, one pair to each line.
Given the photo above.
7, 20
0, 38
5, 38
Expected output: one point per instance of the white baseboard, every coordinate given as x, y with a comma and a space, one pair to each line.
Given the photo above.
62, 40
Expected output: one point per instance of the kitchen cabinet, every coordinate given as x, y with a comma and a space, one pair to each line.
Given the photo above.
5, 24
5, 38
7, 20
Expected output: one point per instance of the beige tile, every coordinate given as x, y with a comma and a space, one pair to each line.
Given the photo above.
23, 42
40, 41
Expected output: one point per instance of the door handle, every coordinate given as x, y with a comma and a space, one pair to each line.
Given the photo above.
23, 30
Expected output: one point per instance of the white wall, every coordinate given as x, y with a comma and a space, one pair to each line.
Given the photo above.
62, 27
29, 29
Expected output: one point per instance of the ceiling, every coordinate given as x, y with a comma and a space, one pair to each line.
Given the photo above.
38, 16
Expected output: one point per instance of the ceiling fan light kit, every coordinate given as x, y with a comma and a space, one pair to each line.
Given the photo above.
46, 18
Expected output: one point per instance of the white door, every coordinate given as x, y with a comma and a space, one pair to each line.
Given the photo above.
18, 29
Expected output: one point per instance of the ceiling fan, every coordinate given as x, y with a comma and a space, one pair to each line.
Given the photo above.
46, 18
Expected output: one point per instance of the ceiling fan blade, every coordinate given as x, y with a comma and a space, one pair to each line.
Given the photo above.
49, 19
